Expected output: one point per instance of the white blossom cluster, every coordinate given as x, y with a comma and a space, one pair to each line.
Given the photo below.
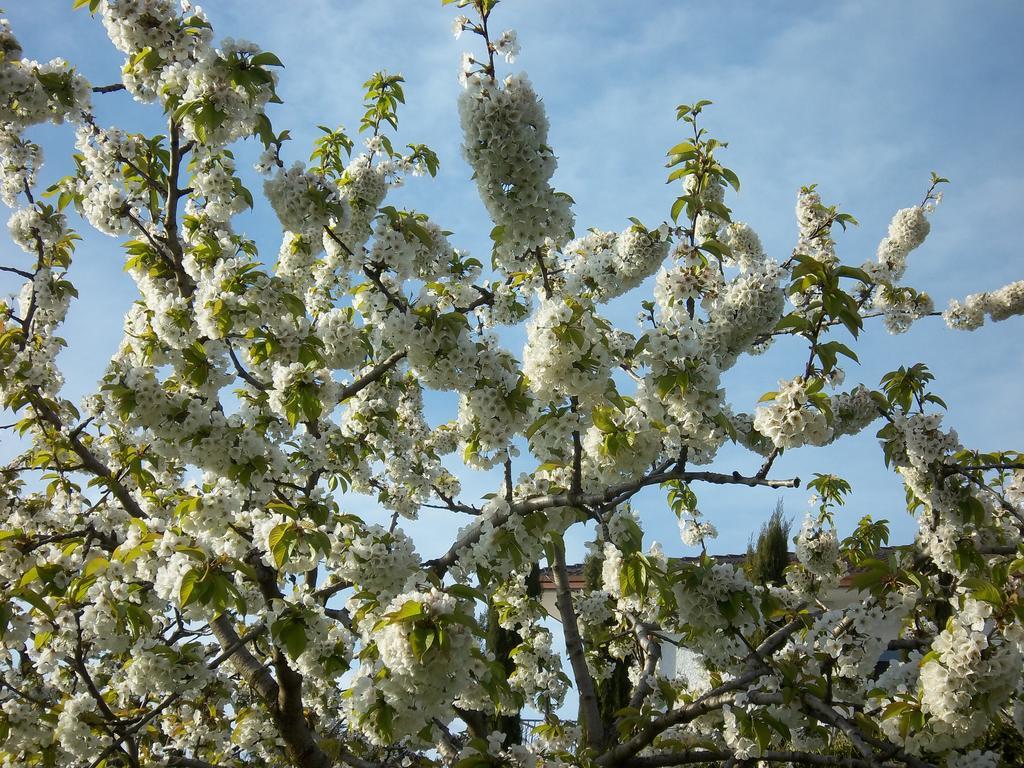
305, 202
746, 250
621, 447
106, 199
742, 311
970, 663
159, 45
566, 350
33, 93
417, 688
907, 230
999, 305
789, 421
812, 220
697, 599
606, 264
492, 411
690, 281
505, 133
853, 411
900, 307
219, 106
817, 548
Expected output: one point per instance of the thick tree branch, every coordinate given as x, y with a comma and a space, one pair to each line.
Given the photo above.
617, 493
289, 715
590, 713
696, 756
372, 375
89, 460
710, 701
244, 374
255, 674
172, 197
651, 649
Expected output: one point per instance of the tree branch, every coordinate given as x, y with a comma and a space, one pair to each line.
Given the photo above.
712, 700
617, 493
287, 709
651, 649
21, 272
368, 378
590, 713
246, 376
89, 459
692, 756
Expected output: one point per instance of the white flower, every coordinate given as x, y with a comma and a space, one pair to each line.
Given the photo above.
507, 45
459, 24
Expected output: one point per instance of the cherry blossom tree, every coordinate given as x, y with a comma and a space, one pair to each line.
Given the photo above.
182, 585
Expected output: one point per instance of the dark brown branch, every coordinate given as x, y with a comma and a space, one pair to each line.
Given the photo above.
616, 493
255, 674
378, 282
116, 724
590, 712
153, 183
368, 378
710, 701
327, 592
693, 756
452, 504
57, 537
826, 714
286, 708
486, 298
548, 293
89, 459
21, 272
509, 486
577, 455
173, 194
246, 376
232, 648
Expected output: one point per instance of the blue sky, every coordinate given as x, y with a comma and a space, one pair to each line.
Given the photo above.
863, 98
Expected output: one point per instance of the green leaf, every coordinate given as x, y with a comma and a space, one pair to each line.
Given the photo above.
409, 611
732, 178
265, 59
187, 593
421, 639
293, 634
681, 148
603, 420
677, 208
466, 592
280, 540
983, 590
36, 600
